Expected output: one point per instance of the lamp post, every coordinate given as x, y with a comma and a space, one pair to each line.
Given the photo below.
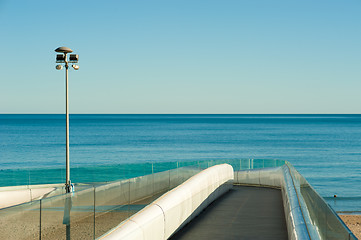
62, 58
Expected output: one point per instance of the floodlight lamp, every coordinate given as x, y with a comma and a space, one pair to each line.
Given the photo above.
59, 67
74, 58
76, 67
60, 58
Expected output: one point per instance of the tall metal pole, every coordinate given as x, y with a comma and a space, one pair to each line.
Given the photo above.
68, 185
63, 59
67, 181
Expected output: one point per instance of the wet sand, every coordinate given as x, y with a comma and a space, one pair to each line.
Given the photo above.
353, 222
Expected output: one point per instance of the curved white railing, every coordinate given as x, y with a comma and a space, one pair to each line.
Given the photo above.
174, 209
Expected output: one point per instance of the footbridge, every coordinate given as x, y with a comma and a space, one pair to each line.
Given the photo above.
223, 199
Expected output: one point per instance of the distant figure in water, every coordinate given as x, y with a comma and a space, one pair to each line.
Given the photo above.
335, 195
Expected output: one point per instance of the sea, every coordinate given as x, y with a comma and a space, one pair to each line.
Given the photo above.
325, 149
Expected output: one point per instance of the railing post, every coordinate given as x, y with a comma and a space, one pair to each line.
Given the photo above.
94, 212
40, 219
152, 178
129, 198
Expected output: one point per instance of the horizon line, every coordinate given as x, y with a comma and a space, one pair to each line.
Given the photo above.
181, 113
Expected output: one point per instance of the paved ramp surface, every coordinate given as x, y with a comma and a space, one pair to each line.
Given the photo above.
242, 213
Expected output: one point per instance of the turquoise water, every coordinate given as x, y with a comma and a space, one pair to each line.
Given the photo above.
325, 149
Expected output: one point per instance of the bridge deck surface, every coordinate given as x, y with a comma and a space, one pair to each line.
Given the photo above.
242, 213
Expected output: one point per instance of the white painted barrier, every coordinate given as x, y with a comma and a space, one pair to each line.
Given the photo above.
170, 212
14, 197
272, 177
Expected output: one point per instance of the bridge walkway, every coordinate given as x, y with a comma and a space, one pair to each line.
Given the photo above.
242, 213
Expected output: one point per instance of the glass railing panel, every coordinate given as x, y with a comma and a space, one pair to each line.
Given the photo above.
136, 170
267, 163
47, 176
186, 173
108, 173
326, 221
280, 162
334, 229
323, 220
164, 166
20, 222
248, 177
245, 164
236, 164
69, 215
32, 176
180, 175
204, 164
111, 206
81, 214
141, 192
92, 174
193, 164
272, 163
54, 216
161, 182
258, 163
174, 177
271, 176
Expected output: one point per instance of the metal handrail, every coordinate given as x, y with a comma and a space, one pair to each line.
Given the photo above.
299, 201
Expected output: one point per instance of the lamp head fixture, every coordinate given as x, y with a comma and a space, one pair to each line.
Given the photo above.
63, 50
62, 58
74, 58
76, 67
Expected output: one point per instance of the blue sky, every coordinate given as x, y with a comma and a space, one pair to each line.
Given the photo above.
231, 56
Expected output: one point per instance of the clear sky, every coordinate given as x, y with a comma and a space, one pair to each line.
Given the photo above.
182, 56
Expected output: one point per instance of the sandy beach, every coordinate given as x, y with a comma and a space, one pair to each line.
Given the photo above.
353, 222
84, 227
20, 224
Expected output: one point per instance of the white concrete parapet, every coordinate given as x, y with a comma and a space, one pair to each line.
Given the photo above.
10, 196
170, 212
